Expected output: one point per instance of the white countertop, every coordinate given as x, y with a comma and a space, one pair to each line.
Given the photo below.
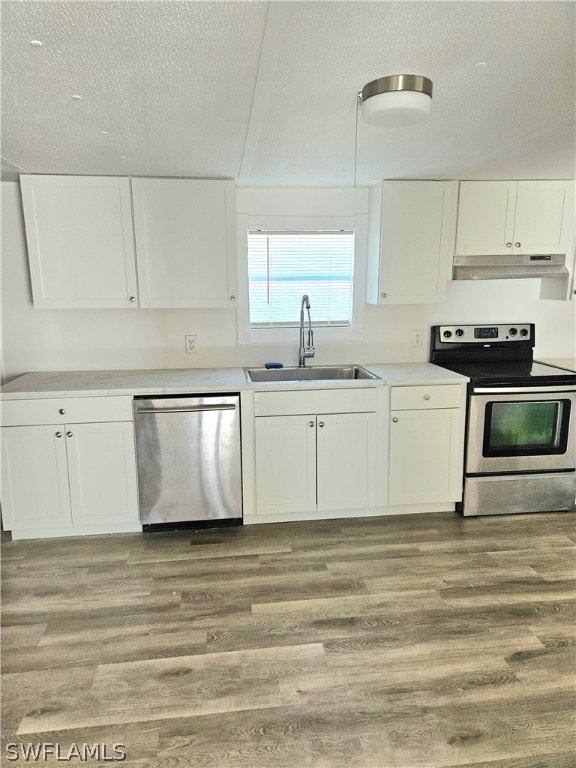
131, 382
561, 362
399, 374
201, 380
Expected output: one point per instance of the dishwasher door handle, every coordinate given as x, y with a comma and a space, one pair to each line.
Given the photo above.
188, 409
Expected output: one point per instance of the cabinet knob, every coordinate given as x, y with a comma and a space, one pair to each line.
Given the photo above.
508, 245
382, 295
395, 419
517, 245
310, 423
320, 423
232, 298
69, 434
426, 397
58, 434
61, 411
132, 299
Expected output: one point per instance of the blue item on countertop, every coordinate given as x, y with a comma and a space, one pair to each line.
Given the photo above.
273, 365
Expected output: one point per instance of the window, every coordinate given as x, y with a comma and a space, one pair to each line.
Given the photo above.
292, 242
284, 265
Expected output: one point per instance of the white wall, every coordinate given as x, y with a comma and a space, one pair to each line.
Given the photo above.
43, 340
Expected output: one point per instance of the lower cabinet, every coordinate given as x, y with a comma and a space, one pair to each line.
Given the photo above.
312, 462
102, 473
34, 478
346, 460
68, 478
285, 464
426, 444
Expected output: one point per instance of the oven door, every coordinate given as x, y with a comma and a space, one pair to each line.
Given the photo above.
521, 429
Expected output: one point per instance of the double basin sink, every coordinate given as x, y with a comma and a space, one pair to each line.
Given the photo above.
310, 373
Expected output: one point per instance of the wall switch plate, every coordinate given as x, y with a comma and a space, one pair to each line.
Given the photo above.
191, 344
417, 338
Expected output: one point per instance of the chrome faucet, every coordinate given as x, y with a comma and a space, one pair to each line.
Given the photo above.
306, 347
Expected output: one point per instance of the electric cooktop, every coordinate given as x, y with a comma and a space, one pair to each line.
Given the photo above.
495, 355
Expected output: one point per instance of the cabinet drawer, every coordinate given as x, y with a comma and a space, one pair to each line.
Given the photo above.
422, 397
362, 400
65, 410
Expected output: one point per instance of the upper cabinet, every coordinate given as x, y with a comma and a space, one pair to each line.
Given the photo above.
80, 241
185, 236
80, 232
411, 241
520, 217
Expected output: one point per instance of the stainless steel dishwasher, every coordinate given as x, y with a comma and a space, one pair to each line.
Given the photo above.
189, 466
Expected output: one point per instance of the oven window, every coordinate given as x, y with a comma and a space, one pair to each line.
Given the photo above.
524, 428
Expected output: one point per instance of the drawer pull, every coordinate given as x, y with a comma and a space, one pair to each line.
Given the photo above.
61, 411
426, 397
395, 419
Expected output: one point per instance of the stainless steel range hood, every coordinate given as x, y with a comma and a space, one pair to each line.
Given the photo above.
509, 267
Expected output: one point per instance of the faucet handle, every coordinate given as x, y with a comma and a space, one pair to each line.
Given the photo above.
309, 351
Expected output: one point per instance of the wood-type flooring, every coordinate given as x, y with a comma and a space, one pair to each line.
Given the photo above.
418, 641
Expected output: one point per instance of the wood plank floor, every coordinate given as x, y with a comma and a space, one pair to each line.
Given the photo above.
402, 642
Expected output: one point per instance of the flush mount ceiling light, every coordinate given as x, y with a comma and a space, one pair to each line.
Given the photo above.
396, 100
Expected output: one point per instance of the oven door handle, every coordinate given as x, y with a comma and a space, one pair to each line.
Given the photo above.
522, 390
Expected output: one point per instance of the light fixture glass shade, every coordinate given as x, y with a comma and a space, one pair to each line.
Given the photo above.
397, 100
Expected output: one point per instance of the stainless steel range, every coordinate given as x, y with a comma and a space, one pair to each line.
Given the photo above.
521, 424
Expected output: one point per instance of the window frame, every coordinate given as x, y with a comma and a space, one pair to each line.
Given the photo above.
358, 223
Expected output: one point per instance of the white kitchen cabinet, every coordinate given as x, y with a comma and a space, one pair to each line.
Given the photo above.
286, 464
102, 473
346, 460
313, 460
411, 239
515, 217
80, 241
185, 242
426, 444
35, 491
66, 476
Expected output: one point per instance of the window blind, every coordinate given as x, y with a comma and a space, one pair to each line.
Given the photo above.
282, 266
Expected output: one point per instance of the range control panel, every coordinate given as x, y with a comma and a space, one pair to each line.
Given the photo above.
476, 334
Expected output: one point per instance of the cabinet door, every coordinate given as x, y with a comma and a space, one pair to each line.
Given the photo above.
80, 241
486, 218
416, 242
102, 472
34, 478
184, 242
346, 460
285, 464
425, 457
544, 217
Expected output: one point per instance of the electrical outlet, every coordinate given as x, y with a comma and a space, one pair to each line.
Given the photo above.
191, 344
417, 338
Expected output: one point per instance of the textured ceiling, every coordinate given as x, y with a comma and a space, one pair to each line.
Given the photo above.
265, 93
